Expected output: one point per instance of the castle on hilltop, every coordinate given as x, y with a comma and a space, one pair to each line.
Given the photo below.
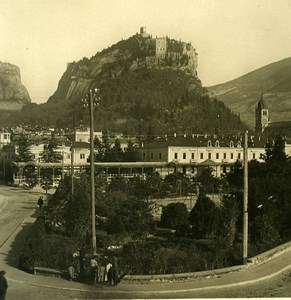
162, 52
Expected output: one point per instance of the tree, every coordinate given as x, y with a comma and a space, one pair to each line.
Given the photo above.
207, 180
203, 217
24, 153
115, 153
78, 209
176, 184
175, 215
136, 215
228, 214
50, 153
131, 153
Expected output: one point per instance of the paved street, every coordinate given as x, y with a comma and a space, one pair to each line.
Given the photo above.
269, 279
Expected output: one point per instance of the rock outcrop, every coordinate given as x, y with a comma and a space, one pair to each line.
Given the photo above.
13, 95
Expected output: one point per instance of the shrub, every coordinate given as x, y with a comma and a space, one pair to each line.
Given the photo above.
175, 215
43, 250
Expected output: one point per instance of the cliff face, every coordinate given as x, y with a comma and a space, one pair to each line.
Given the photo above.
13, 95
137, 52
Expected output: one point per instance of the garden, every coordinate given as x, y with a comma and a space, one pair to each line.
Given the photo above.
209, 236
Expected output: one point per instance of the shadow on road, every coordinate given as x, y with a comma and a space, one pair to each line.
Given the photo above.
16, 245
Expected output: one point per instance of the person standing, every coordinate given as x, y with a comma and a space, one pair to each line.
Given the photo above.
115, 271
3, 285
94, 268
40, 202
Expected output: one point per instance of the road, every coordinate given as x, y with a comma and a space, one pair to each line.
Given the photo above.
20, 212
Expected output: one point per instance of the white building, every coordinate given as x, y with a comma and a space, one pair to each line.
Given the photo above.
5, 138
192, 152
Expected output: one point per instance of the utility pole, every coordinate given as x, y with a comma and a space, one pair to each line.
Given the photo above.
245, 199
72, 171
90, 101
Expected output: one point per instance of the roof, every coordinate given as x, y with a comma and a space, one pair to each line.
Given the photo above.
208, 162
82, 145
262, 103
204, 141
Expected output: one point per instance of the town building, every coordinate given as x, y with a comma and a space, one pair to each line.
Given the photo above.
190, 153
5, 138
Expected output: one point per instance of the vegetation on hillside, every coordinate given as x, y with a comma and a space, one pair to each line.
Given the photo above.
144, 100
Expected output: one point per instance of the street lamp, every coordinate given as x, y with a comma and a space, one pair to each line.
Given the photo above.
90, 101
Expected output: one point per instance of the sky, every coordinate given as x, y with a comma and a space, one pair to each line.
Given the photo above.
232, 37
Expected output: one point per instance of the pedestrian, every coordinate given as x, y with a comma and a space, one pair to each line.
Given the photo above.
94, 268
115, 271
40, 202
108, 272
71, 273
101, 274
3, 285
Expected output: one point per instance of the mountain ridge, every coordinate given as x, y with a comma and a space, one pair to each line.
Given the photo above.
242, 94
13, 94
147, 87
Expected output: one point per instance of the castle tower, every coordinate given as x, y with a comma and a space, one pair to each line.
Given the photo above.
161, 47
262, 116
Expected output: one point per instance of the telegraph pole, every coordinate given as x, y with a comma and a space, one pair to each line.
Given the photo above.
72, 171
90, 101
245, 199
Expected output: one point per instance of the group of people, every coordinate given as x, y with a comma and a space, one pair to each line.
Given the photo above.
105, 271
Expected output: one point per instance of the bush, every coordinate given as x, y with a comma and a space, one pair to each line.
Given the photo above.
175, 215
44, 250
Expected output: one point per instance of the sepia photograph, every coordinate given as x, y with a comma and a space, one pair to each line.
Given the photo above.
145, 149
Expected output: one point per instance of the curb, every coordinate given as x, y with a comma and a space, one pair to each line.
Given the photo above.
254, 261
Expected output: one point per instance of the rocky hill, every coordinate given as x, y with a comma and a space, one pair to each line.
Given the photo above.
242, 94
148, 86
13, 95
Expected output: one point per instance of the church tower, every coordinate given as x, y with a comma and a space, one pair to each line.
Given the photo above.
262, 116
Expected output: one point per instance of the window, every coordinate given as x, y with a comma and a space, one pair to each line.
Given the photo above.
264, 112
209, 144
217, 144
231, 155
231, 144
143, 155
209, 155
5, 136
160, 155
239, 156
192, 156
217, 155
254, 155
239, 144
201, 155
82, 156
152, 155
175, 155
184, 155
224, 155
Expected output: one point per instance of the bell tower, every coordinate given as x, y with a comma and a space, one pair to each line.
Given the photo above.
262, 116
